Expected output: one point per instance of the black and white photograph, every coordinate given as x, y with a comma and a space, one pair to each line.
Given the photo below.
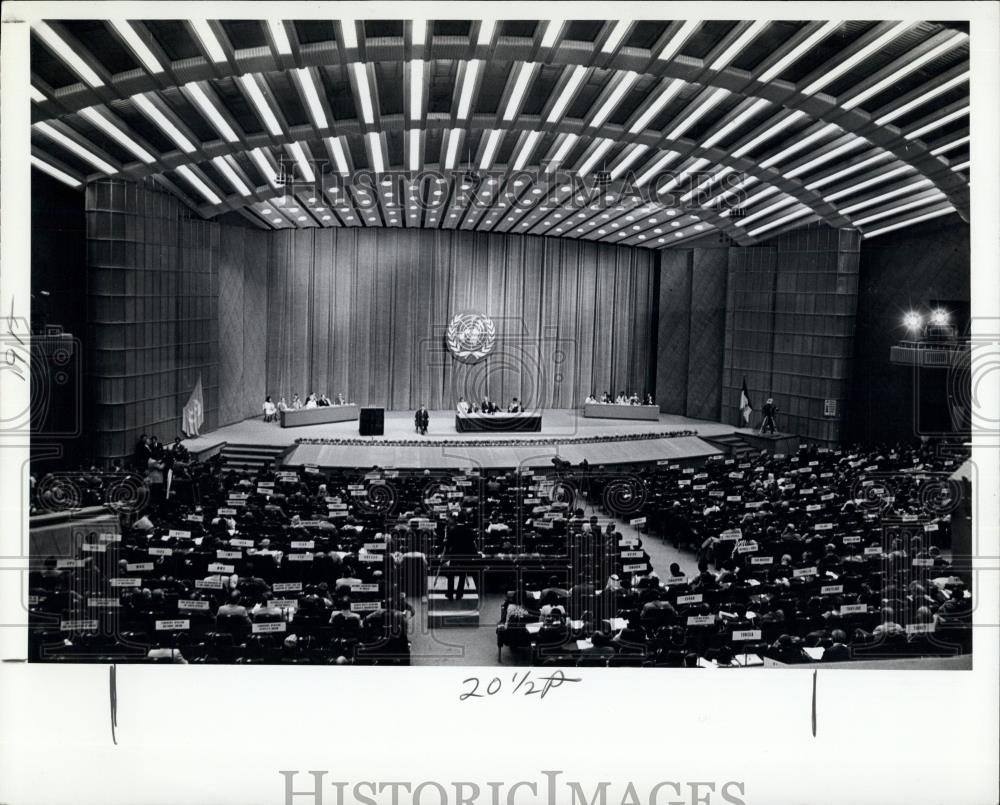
497, 340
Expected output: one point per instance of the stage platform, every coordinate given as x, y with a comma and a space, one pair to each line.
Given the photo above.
565, 434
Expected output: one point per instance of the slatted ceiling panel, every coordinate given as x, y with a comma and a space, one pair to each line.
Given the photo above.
493, 81
174, 38
216, 178
250, 170
389, 80
521, 28
101, 140
583, 30
394, 141
356, 149
72, 162
441, 86
776, 34
97, 39
283, 90
540, 89
708, 35
950, 130
49, 67
236, 103
142, 126
245, 33
451, 27
945, 99
432, 145
826, 50
874, 62
645, 34
310, 32
637, 97
918, 78
189, 115
339, 95
375, 29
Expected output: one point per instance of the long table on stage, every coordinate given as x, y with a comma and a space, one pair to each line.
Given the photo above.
319, 415
494, 423
615, 411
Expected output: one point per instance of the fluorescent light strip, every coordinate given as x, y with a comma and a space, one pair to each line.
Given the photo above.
280, 37
868, 183
208, 40
418, 32
552, 29
134, 41
936, 124
564, 148
822, 182
833, 73
750, 181
375, 146
923, 98
961, 166
529, 145
520, 85
116, 133
899, 191
710, 102
213, 114
778, 205
673, 88
76, 148
67, 54
636, 152
909, 206
572, 84
798, 51
782, 124
603, 144
738, 44
36, 95
805, 167
782, 220
54, 172
694, 167
905, 70
349, 32
149, 109
300, 159
677, 40
414, 150
486, 28
492, 143
454, 139
736, 122
468, 84
312, 98
198, 184
364, 90
416, 89
941, 149
336, 147
656, 167
623, 85
909, 222
805, 142
234, 178
762, 194
616, 36
264, 109
265, 167
709, 181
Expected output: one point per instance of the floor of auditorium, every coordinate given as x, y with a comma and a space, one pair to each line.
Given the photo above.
444, 447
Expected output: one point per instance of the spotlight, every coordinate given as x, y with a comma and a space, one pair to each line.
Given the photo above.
912, 320
940, 316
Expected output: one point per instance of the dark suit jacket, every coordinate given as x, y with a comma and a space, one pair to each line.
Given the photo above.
460, 541
422, 418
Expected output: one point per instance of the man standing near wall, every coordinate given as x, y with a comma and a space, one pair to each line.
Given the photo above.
769, 410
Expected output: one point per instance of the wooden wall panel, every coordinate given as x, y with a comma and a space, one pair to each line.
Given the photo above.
674, 331
709, 276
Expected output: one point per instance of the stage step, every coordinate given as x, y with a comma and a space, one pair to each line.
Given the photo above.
443, 613
252, 456
439, 602
453, 618
732, 443
439, 584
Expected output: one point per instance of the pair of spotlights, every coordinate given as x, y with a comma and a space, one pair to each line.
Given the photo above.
938, 317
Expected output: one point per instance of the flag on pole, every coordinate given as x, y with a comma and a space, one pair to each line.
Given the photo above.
193, 415
746, 407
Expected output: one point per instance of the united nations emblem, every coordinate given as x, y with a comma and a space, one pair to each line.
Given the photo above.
471, 337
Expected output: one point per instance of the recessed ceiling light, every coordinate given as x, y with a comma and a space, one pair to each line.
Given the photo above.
266, 212
293, 209
602, 231
662, 240
614, 225
636, 227
657, 231
671, 212
559, 230
276, 220
699, 227
302, 218
326, 217
675, 223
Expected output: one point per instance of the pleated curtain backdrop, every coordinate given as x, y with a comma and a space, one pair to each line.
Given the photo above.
364, 313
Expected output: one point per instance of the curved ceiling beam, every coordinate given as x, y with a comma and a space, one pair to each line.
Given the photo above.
694, 71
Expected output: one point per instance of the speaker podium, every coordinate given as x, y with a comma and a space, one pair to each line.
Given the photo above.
372, 421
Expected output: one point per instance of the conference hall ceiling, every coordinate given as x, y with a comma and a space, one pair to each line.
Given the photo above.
648, 133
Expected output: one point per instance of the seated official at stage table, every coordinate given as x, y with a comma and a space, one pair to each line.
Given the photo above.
296, 402
621, 399
340, 400
591, 399
514, 407
421, 420
634, 399
323, 401
649, 400
311, 401
463, 406
270, 411
487, 406
606, 398
282, 405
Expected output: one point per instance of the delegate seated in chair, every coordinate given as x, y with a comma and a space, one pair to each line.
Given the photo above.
270, 410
